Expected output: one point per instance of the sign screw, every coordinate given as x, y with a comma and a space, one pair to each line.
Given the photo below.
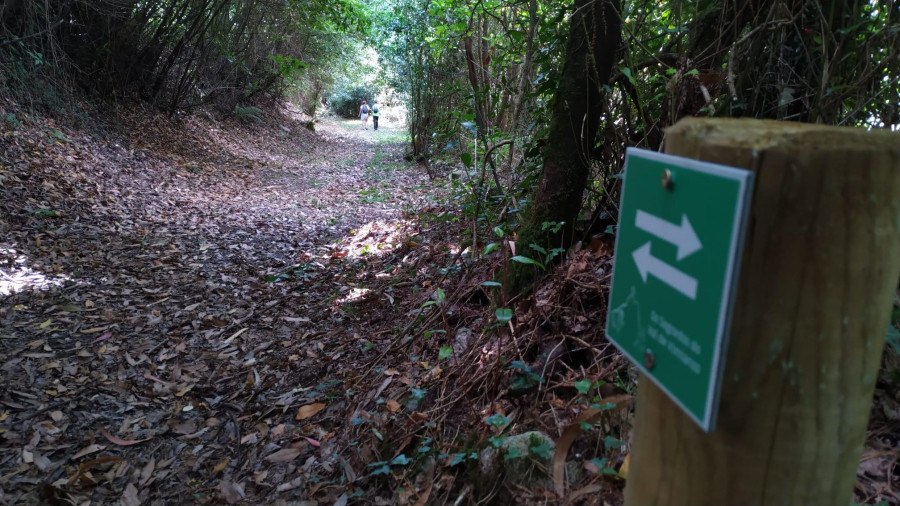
667, 179
649, 360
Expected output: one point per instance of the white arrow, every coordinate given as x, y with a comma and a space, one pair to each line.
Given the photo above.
649, 264
682, 236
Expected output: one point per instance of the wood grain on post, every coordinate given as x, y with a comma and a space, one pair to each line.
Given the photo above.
820, 265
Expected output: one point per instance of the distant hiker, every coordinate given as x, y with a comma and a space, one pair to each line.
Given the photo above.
375, 114
364, 115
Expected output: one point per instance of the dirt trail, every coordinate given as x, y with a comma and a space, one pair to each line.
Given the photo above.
178, 306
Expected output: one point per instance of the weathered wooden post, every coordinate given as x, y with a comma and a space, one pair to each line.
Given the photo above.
820, 265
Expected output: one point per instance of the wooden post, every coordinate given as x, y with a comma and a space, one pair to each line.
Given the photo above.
820, 266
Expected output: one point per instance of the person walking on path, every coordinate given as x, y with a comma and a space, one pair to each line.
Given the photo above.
364, 115
375, 115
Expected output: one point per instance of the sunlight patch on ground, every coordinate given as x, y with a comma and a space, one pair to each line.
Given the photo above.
16, 276
353, 295
375, 238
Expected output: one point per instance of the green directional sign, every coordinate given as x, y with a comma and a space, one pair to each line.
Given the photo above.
678, 243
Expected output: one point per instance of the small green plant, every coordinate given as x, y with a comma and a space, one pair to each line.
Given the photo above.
11, 120
373, 195
525, 378
247, 113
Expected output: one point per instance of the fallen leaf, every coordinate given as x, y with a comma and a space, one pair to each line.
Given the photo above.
147, 471
130, 496
232, 492
219, 467
119, 441
91, 463
296, 482
309, 410
260, 476
94, 330
312, 441
88, 450
623, 469
106, 335
284, 455
393, 406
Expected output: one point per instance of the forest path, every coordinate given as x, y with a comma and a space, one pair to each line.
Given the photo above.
182, 304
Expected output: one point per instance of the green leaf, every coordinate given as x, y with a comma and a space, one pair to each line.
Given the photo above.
692, 72
599, 463
466, 159
627, 73
490, 247
499, 231
610, 442
440, 295
445, 352
418, 393
585, 426
384, 469
512, 453
537, 248
400, 460
542, 450
490, 283
496, 420
503, 314
525, 260
583, 386
458, 458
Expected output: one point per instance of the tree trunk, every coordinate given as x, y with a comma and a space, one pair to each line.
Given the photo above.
594, 37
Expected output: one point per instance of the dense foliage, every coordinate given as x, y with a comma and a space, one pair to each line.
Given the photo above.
178, 54
493, 84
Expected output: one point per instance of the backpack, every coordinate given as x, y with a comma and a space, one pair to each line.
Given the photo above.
375, 109
365, 109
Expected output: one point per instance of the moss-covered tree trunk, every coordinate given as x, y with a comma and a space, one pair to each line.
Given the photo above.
594, 37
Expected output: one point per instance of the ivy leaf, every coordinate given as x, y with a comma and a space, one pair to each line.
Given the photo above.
385, 469
583, 386
512, 453
503, 314
400, 460
496, 420
458, 458
610, 442
542, 450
